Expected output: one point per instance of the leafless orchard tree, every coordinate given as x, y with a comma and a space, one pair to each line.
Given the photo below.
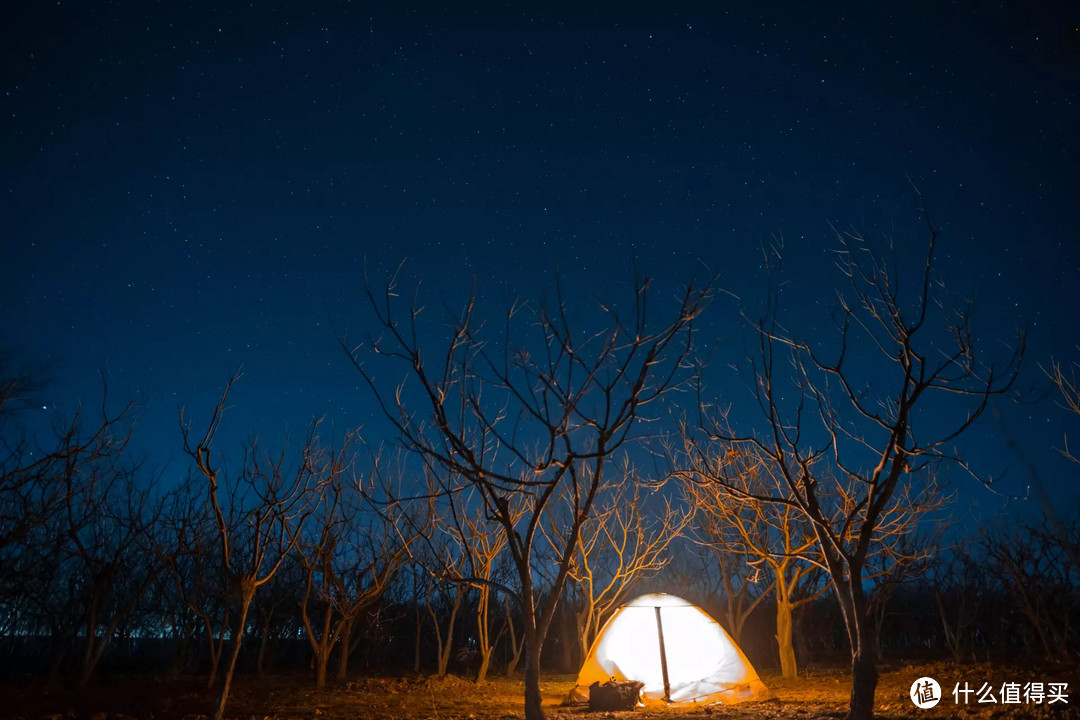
1041, 578
351, 551
35, 474
72, 521
844, 445
620, 545
957, 585
764, 536
321, 553
274, 609
258, 513
188, 552
474, 545
526, 413
109, 522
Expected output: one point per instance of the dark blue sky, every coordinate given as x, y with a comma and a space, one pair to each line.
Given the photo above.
191, 186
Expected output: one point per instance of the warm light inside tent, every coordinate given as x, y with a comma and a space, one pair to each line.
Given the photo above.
703, 663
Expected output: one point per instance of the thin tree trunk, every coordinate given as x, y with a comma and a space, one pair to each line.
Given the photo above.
416, 644
264, 640
445, 648
180, 645
217, 646
91, 662
238, 635
345, 647
583, 632
788, 665
86, 667
482, 634
59, 642
567, 642
323, 647
515, 646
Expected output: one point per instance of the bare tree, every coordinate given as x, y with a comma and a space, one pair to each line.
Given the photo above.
377, 546
1040, 577
475, 545
526, 420
320, 553
72, 523
274, 607
109, 522
36, 473
187, 551
843, 439
350, 558
620, 546
771, 536
258, 513
957, 584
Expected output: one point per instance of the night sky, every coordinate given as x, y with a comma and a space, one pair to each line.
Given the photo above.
191, 186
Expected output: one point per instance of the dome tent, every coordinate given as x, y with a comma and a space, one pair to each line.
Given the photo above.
676, 649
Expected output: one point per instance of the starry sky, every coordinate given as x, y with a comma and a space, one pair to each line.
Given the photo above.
185, 187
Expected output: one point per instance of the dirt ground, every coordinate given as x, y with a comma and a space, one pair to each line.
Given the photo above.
819, 695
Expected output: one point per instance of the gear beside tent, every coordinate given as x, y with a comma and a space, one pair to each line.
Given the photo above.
681, 654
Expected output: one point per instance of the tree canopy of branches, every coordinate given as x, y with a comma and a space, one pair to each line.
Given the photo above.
770, 535
527, 412
258, 513
620, 546
844, 445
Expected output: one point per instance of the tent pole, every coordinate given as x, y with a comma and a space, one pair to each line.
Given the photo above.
663, 655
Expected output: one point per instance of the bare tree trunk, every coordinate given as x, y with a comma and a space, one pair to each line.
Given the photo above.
416, 645
953, 638
864, 675
583, 632
345, 648
567, 643
238, 635
515, 645
788, 666
445, 648
864, 679
216, 649
534, 709
179, 653
322, 659
264, 640
485, 663
516, 649
91, 662
483, 635
86, 667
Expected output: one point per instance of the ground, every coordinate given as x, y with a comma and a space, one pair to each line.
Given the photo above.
820, 695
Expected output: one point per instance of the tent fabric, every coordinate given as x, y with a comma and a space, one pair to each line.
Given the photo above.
705, 666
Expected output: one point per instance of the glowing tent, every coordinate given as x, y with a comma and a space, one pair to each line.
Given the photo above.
681, 654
